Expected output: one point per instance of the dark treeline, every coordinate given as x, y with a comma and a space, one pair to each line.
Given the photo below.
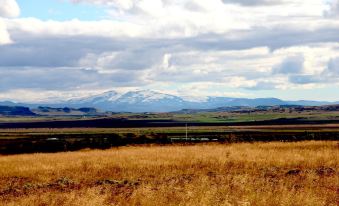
125, 123
72, 142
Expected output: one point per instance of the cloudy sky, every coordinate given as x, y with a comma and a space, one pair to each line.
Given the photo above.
55, 49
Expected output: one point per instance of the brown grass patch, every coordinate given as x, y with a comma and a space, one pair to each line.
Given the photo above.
301, 173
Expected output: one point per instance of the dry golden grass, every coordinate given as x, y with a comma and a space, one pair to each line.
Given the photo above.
302, 173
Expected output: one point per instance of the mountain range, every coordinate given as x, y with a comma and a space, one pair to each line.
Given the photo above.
152, 101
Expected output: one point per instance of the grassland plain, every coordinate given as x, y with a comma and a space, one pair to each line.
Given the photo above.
207, 117
275, 173
7, 133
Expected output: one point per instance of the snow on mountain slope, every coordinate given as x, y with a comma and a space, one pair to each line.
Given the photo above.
109, 96
146, 96
132, 101
152, 101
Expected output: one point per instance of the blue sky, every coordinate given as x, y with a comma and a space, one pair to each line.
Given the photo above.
60, 10
59, 49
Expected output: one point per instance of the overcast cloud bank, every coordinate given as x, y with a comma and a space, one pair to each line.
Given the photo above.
186, 46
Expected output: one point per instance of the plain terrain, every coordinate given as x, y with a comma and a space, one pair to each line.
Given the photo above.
295, 173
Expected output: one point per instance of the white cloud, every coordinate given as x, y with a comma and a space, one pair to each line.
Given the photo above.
174, 19
75, 27
4, 35
290, 65
42, 95
65, 79
333, 10
333, 67
254, 2
227, 45
179, 18
9, 8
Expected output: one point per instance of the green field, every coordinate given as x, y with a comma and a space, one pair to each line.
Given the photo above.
208, 117
233, 116
101, 132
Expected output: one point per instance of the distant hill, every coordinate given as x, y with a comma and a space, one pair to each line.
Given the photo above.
66, 111
15, 111
49, 111
151, 101
278, 108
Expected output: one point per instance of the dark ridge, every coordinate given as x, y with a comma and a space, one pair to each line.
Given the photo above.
125, 123
16, 111
31, 143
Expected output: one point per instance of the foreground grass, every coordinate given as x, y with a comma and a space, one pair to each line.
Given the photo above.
302, 173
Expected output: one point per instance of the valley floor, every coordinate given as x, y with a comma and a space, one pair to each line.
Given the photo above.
275, 173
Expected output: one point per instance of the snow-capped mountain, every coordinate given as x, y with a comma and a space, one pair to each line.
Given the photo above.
152, 101
110, 96
145, 96
132, 101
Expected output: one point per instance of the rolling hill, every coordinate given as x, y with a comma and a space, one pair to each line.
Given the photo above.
152, 101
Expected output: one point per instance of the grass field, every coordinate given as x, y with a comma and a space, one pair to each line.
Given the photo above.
233, 116
207, 117
32, 140
191, 129
295, 173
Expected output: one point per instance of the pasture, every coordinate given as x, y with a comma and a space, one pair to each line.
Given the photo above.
274, 173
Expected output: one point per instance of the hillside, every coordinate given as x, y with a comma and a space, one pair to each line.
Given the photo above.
258, 109
66, 111
15, 111
152, 101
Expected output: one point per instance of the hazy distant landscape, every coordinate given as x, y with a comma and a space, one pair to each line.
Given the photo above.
47, 129
219, 156
151, 101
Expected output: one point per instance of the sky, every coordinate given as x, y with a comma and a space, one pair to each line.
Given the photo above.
59, 49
